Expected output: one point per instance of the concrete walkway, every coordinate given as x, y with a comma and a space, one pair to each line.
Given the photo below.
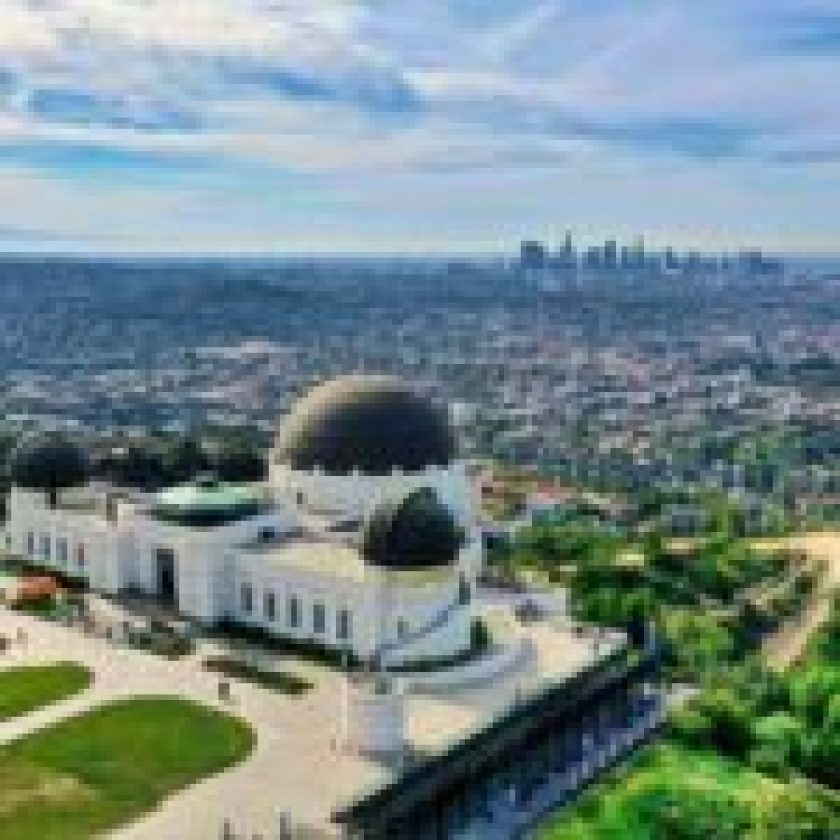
251, 793
296, 767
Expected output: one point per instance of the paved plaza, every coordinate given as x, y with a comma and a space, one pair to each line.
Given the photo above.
296, 766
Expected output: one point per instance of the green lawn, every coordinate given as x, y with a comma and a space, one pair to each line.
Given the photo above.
673, 792
99, 770
27, 688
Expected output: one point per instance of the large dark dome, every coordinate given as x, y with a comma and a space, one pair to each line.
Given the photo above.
51, 463
370, 423
418, 532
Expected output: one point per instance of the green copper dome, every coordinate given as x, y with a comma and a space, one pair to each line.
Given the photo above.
207, 503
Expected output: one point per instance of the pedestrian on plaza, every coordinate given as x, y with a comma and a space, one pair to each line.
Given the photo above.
224, 691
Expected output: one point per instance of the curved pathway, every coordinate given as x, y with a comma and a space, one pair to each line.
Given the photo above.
783, 649
250, 794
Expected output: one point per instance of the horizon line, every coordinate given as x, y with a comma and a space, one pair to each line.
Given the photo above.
405, 254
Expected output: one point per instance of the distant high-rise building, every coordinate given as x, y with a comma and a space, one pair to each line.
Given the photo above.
640, 257
756, 263
532, 255
610, 254
593, 257
566, 257
694, 261
569, 246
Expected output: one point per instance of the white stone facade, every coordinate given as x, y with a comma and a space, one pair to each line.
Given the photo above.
271, 570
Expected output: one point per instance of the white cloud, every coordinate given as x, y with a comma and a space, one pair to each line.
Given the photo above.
378, 92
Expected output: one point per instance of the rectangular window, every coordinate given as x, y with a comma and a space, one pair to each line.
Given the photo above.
81, 557
269, 606
45, 547
319, 618
61, 550
344, 625
30, 544
402, 629
294, 611
247, 598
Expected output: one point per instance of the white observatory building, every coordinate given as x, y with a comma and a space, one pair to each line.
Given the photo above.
363, 539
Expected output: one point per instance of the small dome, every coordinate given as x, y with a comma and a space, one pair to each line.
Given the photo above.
372, 424
49, 464
418, 532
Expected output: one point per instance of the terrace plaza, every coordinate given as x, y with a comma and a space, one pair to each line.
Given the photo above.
299, 767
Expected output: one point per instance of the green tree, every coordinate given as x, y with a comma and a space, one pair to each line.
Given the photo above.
183, 459
812, 689
730, 725
822, 757
702, 815
697, 641
778, 743
239, 462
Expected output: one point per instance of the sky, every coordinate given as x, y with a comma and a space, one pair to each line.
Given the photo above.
390, 126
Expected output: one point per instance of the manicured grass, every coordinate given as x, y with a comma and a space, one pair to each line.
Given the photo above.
273, 680
27, 688
94, 772
640, 800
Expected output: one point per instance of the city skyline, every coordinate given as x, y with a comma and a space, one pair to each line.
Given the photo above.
361, 127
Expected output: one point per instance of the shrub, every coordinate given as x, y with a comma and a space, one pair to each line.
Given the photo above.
302, 648
274, 680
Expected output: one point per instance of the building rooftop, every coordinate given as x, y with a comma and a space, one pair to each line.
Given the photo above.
297, 550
